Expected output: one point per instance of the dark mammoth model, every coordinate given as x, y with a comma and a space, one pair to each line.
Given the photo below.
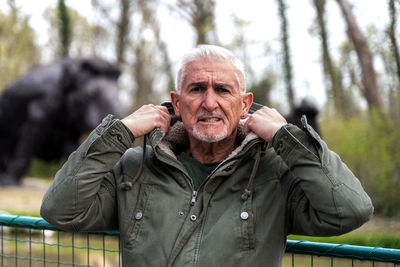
45, 112
307, 109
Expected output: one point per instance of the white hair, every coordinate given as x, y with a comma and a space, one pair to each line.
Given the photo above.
210, 52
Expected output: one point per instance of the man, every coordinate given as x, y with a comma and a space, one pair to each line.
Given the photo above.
216, 187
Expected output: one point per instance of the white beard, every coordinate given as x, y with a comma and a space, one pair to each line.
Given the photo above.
210, 138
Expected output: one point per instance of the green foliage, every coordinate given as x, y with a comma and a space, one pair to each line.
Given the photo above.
22, 213
43, 169
18, 50
370, 146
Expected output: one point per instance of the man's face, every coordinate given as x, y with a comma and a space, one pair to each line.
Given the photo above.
210, 102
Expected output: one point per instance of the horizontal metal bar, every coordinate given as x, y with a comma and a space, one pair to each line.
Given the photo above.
343, 251
25, 222
37, 223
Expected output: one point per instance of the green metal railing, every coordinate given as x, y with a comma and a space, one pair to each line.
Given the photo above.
31, 241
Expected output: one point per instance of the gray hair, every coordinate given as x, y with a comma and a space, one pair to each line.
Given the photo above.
210, 52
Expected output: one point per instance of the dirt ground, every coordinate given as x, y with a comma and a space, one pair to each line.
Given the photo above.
27, 198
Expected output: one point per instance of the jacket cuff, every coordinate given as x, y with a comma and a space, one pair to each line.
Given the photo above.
283, 141
116, 130
291, 137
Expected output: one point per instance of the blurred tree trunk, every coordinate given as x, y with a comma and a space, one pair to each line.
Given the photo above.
201, 16
394, 90
341, 101
287, 66
64, 29
150, 19
143, 74
392, 35
123, 28
364, 55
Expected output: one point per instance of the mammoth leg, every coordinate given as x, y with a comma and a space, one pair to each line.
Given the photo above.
31, 136
19, 162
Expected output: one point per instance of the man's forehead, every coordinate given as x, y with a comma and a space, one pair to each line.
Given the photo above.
202, 70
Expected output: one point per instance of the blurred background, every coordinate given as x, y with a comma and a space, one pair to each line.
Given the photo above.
340, 57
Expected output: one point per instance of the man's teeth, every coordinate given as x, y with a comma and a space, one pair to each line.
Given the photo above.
211, 120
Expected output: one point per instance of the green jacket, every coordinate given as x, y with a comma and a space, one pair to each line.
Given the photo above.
240, 215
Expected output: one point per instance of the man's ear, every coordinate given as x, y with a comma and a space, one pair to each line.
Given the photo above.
175, 102
247, 101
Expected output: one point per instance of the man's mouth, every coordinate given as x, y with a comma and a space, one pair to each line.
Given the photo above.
209, 119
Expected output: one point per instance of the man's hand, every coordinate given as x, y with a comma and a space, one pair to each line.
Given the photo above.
265, 122
146, 119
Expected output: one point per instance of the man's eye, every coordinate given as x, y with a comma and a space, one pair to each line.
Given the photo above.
195, 89
222, 90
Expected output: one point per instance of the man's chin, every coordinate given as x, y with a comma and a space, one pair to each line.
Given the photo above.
209, 137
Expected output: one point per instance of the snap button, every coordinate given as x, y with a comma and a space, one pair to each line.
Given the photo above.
104, 122
138, 215
244, 196
181, 213
119, 137
193, 217
244, 215
113, 131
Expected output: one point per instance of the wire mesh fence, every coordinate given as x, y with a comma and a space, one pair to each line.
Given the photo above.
30, 241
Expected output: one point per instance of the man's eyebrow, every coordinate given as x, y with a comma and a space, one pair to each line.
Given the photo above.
216, 85
198, 84
225, 85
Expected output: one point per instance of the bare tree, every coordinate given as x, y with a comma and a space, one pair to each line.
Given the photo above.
201, 16
364, 55
341, 101
123, 28
287, 65
392, 35
64, 28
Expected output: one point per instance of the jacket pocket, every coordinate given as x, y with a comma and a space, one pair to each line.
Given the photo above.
139, 215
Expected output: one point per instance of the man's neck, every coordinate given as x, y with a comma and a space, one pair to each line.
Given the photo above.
212, 152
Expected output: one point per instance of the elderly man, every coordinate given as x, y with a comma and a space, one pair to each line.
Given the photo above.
221, 184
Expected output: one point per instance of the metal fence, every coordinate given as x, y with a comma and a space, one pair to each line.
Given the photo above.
31, 241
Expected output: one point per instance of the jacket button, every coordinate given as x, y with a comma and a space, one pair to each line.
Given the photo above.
181, 213
193, 218
138, 215
104, 122
244, 215
113, 132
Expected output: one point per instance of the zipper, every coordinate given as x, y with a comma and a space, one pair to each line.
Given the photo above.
194, 198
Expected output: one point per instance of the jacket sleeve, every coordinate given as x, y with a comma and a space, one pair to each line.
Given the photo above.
82, 196
324, 197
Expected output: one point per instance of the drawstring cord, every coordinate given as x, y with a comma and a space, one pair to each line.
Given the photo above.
248, 191
128, 185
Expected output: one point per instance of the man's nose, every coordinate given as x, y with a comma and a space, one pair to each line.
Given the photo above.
210, 100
